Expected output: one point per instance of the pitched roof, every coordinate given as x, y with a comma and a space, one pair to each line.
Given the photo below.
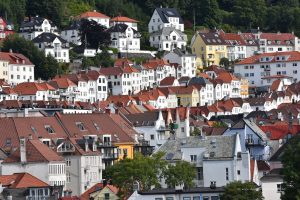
120, 28
123, 19
278, 38
212, 38
31, 88
61, 83
167, 81
233, 39
291, 56
94, 124
222, 146
276, 132
275, 85
227, 77
111, 71
166, 31
15, 58
36, 151
34, 21
92, 14
21, 180
47, 38
164, 13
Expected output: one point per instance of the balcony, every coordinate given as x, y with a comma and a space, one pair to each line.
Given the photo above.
254, 142
110, 156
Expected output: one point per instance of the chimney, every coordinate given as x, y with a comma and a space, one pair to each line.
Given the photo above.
23, 150
26, 112
86, 146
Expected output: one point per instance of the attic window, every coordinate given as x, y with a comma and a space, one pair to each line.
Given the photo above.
208, 40
8, 142
96, 126
49, 129
80, 126
33, 130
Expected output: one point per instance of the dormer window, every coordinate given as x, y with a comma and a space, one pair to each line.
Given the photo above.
80, 126
33, 130
96, 126
49, 129
8, 142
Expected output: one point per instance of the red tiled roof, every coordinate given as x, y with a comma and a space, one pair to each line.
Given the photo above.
279, 131
93, 14
86, 194
8, 90
278, 38
121, 62
105, 126
292, 56
123, 19
30, 88
15, 58
123, 99
226, 77
61, 83
111, 71
262, 165
36, 151
155, 63
233, 39
275, 85
167, 81
21, 180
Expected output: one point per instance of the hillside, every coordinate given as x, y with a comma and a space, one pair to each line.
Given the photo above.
230, 15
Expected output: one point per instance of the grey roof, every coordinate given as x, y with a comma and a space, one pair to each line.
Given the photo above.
166, 31
168, 12
199, 81
143, 119
212, 38
182, 53
75, 25
34, 21
222, 146
273, 176
120, 28
253, 126
48, 38
197, 190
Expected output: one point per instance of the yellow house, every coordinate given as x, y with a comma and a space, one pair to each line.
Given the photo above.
244, 88
125, 150
108, 192
209, 46
186, 95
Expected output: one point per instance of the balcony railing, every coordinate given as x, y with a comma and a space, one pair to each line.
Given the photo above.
254, 142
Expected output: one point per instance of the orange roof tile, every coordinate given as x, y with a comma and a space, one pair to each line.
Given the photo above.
167, 81
21, 180
123, 19
275, 85
29, 88
15, 58
93, 14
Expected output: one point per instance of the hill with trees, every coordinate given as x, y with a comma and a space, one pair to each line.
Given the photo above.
230, 15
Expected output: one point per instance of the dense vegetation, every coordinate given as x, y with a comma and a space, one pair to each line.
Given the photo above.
231, 15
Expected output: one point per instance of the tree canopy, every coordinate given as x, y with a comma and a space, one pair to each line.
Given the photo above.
45, 66
93, 35
291, 172
147, 172
241, 191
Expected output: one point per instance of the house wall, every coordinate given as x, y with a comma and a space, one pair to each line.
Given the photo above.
18, 73
269, 190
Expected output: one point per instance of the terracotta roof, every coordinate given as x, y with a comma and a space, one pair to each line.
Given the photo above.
227, 77
31, 88
233, 39
275, 85
94, 124
36, 151
155, 63
263, 165
123, 19
167, 81
292, 56
215, 69
36, 127
61, 83
93, 14
120, 99
276, 132
111, 71
15, 58
121, 62
86, 194
278, 38
8, 90
9, 136
249, 38
21, 180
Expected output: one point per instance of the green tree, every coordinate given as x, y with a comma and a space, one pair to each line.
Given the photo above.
147, 172
93, 35
45, 67
219, 124
196, 132
224, 62
291, 172
241, 191
182, 173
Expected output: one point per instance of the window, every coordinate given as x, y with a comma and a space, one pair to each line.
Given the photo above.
214, 198
125, 151
152, 137
158, 198
167, 45
294, 64
68, 177
186, 198
49, 129
8, 142
193, 158
106, 196
80, 126
294, 71
196, 197
18, 76
245, 67
68, 162
182, 129
199, 173
227, 174
279, 188
239, 172
246, 75
169, 198
251, 74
